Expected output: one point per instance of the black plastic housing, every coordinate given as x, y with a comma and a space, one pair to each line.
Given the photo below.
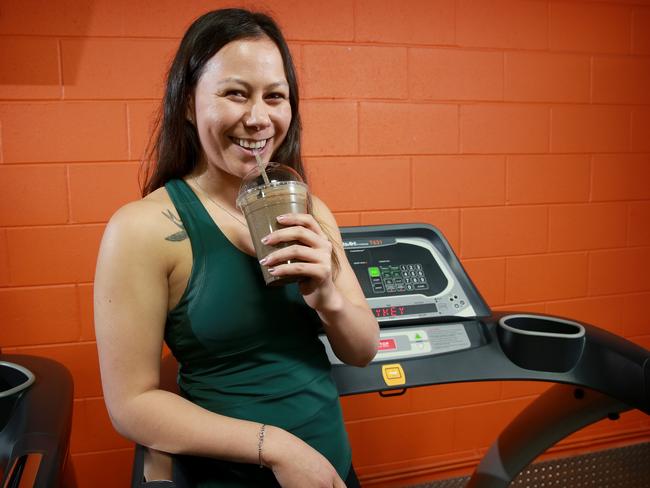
36, 421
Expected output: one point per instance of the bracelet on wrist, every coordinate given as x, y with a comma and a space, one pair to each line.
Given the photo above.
260, 443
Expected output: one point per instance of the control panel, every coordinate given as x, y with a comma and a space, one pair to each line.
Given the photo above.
417, 289
406, 278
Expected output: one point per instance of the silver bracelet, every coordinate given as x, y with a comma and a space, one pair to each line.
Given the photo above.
260, 442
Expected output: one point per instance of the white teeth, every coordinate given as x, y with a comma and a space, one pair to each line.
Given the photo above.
248, 144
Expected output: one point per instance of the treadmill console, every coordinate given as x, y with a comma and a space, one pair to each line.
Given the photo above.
422, 297
406, 278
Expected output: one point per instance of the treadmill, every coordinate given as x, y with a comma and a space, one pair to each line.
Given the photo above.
436, 328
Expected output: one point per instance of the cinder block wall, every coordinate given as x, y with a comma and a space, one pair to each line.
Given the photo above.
520, 128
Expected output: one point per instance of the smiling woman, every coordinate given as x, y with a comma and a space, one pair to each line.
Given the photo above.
240, 103
176, 149
254, 381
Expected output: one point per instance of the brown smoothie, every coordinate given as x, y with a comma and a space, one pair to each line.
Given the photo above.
261, 206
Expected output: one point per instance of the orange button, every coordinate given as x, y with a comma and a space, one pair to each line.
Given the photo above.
393, 374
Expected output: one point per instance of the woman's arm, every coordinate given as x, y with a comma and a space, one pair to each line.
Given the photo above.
131, 297
351, 327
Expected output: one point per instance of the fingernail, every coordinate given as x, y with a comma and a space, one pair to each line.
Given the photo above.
271, 270
280, 218
265, 239
264, 260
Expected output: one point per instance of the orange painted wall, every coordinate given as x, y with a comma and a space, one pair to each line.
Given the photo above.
520, 128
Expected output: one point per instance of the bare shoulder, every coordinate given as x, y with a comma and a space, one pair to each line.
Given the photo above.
146, 225
139, 208
324, 215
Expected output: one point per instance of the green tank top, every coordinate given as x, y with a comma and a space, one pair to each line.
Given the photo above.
248, 351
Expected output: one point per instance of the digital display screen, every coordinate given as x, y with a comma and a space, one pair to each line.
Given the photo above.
403, 310
387, 345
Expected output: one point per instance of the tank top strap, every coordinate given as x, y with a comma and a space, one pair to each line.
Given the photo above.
198, 224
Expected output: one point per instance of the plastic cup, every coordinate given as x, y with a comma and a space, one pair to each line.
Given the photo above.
262, 203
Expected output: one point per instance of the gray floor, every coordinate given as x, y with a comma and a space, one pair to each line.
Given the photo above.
624, 467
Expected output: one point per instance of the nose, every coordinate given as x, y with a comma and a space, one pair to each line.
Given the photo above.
258, 115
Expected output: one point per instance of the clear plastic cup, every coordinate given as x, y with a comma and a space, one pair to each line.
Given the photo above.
261, 203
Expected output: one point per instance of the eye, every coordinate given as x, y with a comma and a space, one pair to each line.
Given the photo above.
235, 94
276, 96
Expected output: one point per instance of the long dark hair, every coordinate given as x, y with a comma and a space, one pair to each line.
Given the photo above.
174, 149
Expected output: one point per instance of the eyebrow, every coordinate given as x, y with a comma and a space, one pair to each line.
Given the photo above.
231, 79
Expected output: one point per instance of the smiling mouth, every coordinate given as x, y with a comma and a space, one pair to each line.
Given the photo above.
250, 144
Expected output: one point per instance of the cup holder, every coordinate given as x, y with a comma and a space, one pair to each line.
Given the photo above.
13, 379
541, 343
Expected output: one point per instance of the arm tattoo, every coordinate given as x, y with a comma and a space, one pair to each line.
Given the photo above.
178, 236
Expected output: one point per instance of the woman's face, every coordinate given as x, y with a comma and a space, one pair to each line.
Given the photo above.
241, 103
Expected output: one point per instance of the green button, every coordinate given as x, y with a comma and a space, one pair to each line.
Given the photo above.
374, 271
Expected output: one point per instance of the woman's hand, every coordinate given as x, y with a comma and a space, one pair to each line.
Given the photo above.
296, 464
350, 326
310, 253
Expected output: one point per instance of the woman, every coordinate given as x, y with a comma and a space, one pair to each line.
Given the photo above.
179, 265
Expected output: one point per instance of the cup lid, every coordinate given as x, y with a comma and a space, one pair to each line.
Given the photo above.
277, 174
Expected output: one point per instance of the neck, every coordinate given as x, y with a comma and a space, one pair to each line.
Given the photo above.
216, 184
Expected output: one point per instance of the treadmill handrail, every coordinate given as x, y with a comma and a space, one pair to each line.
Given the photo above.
24, 385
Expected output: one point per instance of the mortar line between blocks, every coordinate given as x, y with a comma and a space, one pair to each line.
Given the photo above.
103, 451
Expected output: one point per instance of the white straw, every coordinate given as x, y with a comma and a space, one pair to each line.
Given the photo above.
261, 166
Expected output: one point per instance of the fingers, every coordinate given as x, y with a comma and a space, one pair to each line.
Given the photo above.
307, 263
303, 270
304, 220
308, 253
303, 229
296, 233
308, 235
295, 252
299, 260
